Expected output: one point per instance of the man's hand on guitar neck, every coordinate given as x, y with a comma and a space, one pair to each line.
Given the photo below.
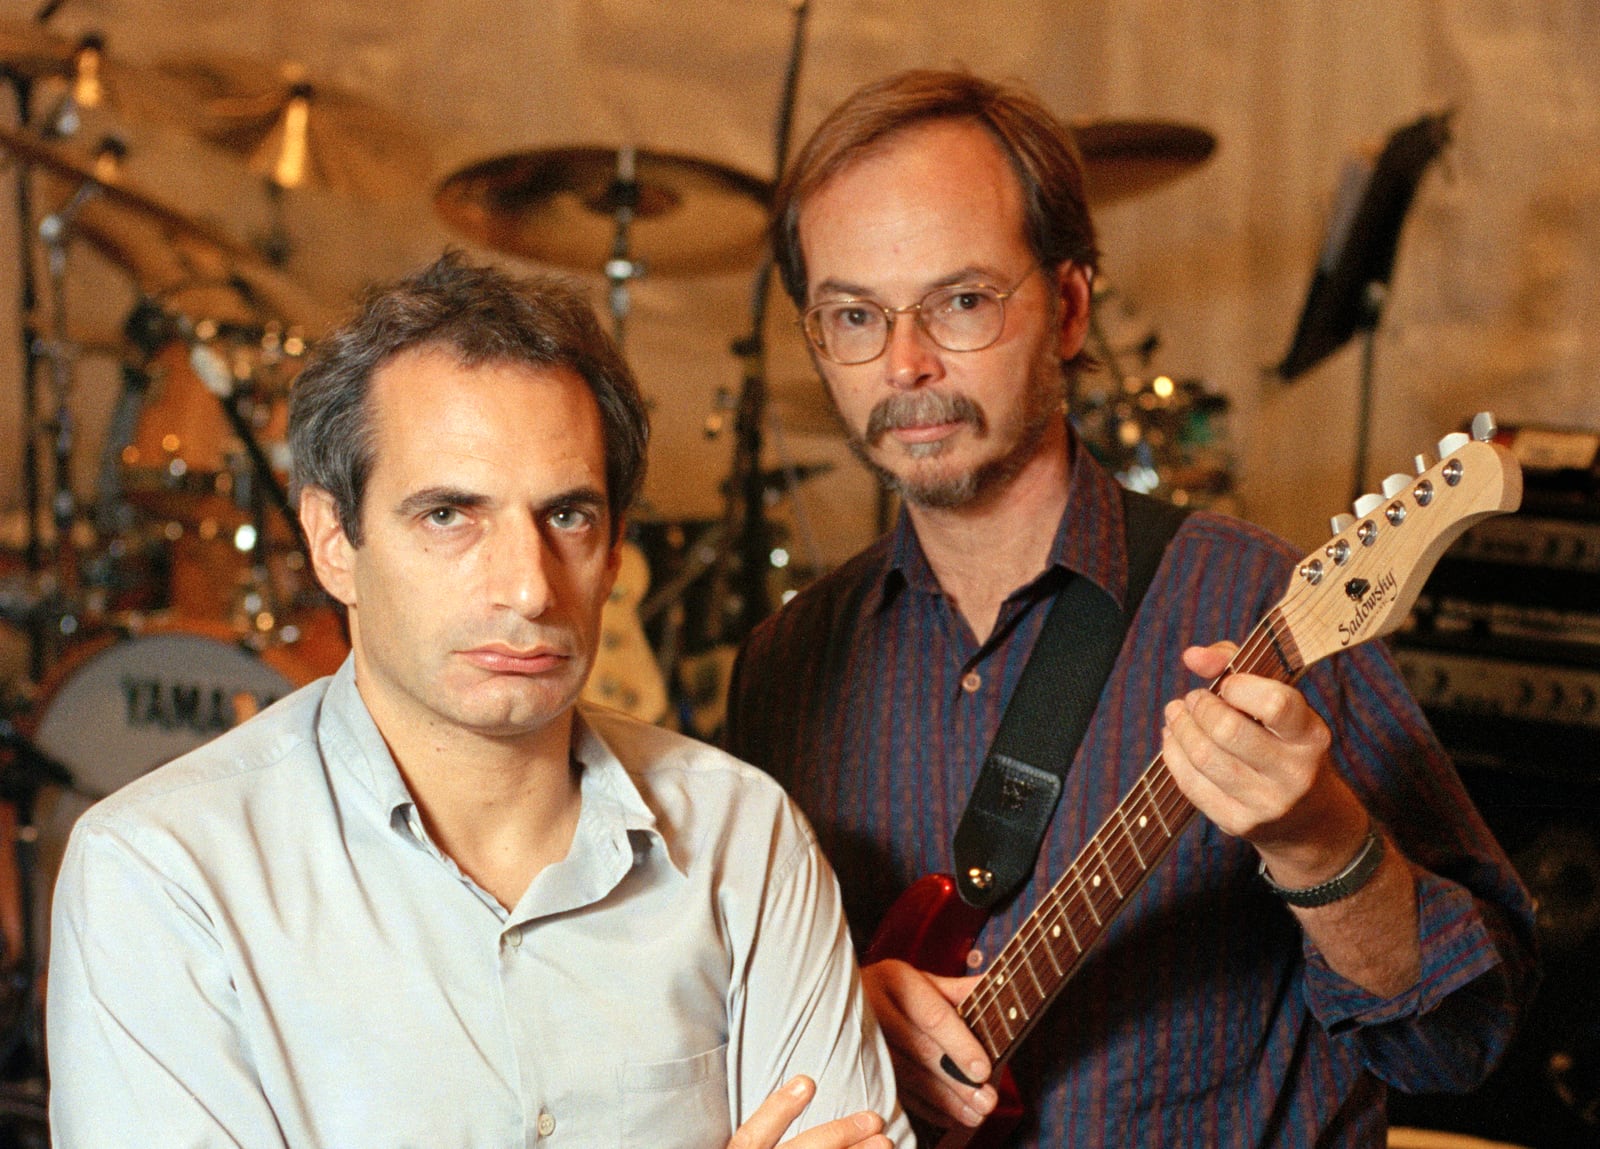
1255, 760
778, 1112
917, 1012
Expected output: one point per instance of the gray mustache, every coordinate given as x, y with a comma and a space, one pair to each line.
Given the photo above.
919, 408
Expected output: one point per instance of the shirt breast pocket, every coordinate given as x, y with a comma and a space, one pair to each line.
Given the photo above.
679, 1104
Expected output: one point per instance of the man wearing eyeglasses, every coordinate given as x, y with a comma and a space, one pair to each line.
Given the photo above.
1339, 922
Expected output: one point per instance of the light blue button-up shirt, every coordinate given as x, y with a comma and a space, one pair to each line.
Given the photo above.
258, 945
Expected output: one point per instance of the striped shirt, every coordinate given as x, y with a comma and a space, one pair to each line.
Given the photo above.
1205, 1017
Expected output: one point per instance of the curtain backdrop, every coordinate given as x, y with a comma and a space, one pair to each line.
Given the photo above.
1492, 301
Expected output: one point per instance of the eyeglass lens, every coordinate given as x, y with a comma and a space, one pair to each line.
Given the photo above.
961, 318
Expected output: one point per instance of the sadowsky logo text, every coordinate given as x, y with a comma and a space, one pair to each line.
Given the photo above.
1380, 592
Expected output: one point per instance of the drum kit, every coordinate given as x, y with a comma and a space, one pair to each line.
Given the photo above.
178, 599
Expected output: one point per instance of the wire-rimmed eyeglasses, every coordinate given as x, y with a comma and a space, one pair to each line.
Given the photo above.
961, 317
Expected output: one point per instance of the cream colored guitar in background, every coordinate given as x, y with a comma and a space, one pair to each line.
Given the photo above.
626, 675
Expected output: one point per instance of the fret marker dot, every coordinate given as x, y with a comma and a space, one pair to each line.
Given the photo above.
1096, 882
999, 979
1055, 932
1012, 1013
1143, 821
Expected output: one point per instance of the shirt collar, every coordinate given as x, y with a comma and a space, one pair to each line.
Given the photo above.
605, 774
1090, 539
352, 740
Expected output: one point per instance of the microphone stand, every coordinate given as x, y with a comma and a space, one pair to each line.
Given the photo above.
622, 197
747, 488
26, 770
27, 303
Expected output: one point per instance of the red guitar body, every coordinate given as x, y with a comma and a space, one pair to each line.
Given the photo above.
930, 927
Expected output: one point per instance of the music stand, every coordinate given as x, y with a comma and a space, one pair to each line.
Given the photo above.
1350, 283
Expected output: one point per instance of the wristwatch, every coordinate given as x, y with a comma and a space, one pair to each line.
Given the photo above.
1346, 882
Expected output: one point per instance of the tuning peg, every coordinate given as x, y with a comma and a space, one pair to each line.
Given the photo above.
1453, 442
1483, 426
1421, 461
1395, 484
1342, 523
1366, 504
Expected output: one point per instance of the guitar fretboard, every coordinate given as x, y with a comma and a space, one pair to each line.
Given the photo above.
1044, 953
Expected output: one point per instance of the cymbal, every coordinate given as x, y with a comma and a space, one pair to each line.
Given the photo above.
1126, 158
32, 52
76, 170
558, 206
297, 132
188, 265
189, 274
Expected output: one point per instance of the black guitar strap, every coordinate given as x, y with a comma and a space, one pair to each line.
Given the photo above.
998, 838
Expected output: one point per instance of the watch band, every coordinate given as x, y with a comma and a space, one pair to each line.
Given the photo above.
1346, 882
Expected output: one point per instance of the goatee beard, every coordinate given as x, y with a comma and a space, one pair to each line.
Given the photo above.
1044, 403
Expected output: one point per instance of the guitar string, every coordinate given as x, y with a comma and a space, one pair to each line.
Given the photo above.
1125, 855
1259, 651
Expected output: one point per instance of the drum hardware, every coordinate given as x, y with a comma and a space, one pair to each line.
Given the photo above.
1156, 434
230, 299
628, 211
76, 74
797, 406
186, 265
25, 771
686, 216
54, 352
295, 131
29, 51
1127, 158
744, 588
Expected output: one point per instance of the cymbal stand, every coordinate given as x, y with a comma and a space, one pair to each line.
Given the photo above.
622, 197
55, 231
24, 771
745, 516
28, 301
260, 478
275, 244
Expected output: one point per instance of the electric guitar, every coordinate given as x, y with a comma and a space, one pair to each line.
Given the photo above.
625, 675
1357, 587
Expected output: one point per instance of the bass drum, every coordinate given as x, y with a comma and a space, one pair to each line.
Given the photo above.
112, 712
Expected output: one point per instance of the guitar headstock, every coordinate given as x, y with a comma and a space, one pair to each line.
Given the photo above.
1362, 583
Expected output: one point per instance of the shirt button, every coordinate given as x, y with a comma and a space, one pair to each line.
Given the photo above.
514, 938
547, 1125
971, 681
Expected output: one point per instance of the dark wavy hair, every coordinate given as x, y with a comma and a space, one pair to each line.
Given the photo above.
483, 315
